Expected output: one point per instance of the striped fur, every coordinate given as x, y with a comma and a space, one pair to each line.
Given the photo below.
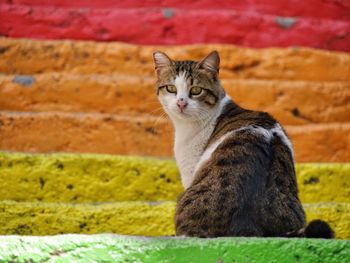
236, 165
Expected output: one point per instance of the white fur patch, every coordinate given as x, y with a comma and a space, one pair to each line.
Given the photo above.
267, 134
209, 151
278, 129
181, 86
190, 140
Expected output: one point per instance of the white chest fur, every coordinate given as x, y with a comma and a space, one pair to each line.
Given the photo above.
188, 148
190, 140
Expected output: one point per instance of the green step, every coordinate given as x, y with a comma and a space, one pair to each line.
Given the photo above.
111, 248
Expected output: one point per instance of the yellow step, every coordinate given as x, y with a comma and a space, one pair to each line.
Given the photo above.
129, 218
107, 178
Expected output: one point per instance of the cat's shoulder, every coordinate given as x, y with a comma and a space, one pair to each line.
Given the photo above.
257, 125
234, 117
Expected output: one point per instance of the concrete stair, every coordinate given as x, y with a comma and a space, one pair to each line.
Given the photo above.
259, 24
93, 89
70, 193
113, 248
86, 97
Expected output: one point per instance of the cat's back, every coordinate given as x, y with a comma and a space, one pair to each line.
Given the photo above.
245, 175
248, 132
234, 119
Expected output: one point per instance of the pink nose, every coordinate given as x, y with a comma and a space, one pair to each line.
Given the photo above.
181, 103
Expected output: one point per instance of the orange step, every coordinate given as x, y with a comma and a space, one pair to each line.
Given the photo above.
291, 102
86, 57
144, 135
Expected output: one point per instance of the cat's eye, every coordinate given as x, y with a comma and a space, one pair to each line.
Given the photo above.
196, 91
171, 88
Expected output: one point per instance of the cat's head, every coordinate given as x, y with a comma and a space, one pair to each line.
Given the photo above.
189, 90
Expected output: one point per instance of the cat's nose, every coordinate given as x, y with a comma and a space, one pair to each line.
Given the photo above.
181, 103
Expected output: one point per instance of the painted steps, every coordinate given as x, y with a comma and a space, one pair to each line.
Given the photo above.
68, 193
143, 135
113, 248
94, 89
127, 217
106, 178
253, 23
292, 102
29, 56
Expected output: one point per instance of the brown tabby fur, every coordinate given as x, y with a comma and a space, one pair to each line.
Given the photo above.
247, 188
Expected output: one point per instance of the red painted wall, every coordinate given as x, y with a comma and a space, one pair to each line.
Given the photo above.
253, 23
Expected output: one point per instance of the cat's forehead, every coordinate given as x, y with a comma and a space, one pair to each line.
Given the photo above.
188, 72
185, 66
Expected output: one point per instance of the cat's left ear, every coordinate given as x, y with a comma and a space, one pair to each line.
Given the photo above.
161, 60
211, 63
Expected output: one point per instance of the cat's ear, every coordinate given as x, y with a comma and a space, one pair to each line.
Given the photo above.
161, 60
211, 62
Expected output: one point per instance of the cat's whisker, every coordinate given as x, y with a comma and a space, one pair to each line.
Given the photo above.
155, 110
160, 118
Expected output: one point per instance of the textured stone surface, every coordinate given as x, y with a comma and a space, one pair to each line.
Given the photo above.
21, 56
113, 248
144, 135
91, 178
324, 182
336, 214
104, 178
129, 218
291, 102
176, 25
336, 9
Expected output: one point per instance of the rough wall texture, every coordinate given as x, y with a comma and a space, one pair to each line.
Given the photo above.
129, 218
291, 102
23, 56
321, 25
99, 97
105, 178
95, 89
68, 193
144, 135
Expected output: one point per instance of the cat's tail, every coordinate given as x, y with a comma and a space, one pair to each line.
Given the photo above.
315, 229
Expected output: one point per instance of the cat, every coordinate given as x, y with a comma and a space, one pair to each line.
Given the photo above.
236, 165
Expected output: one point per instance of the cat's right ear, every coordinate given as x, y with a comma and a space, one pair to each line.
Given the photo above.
211, 63
161, 60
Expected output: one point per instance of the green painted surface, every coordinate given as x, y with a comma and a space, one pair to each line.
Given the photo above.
107, 178
109, 248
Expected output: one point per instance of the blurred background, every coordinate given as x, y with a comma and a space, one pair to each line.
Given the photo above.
84, 96
78, 77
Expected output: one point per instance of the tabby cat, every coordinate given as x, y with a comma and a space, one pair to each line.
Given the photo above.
236, 165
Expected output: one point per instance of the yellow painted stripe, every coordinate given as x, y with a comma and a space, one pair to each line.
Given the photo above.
336, 214
107, 178
130, 218
324, 182
86, 177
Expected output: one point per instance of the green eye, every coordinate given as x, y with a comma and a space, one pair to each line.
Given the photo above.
196, 91
171, 88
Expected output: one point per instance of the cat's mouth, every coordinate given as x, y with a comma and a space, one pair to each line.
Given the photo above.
182, 111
